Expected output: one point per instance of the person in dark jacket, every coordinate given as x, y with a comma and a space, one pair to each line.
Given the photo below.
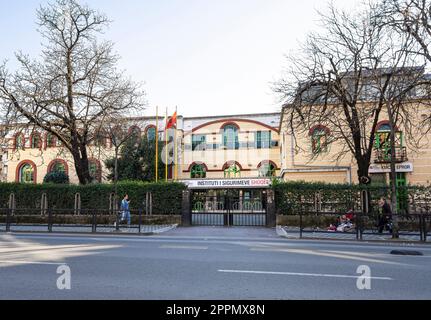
385, 215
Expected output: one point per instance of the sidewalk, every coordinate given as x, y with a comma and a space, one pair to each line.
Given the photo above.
293, 233
145, 229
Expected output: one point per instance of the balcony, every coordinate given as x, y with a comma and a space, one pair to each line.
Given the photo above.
383, 155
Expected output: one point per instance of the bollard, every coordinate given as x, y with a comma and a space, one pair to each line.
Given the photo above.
49, 220
140, 219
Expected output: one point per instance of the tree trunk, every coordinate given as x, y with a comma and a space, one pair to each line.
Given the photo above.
394, 200
116, 173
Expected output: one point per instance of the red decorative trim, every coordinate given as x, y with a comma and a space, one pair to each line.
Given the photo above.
321, 127
229, 163
133, 128
233, 121
269, 161
18, 167
384, 122
151, 126
53, 162
230, 123
197, 163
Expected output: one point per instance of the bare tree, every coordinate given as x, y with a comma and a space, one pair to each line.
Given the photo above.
412, 17
341, 80
76, 86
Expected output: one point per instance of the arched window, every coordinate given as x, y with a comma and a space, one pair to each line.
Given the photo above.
36, 141
95, 170
58, 165
51, 140
319, 139
151, 133
135, 131
230, 137
26, 172
384, 127
232, 170
382, 143
267, 169
19, 142
198, 171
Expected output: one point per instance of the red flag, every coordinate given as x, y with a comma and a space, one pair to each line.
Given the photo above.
172, 121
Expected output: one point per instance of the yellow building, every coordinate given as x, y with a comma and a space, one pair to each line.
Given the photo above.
242, 146
318, 162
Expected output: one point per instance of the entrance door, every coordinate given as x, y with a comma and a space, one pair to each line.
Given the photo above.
229, 208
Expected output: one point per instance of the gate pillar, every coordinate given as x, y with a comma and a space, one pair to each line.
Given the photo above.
186, 209
271, 216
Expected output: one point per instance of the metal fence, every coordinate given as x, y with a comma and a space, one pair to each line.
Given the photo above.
228, 211
311, 224
67, 220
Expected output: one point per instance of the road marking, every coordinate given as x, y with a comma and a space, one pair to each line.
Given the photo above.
183, 247
326, 254
33, 262
304, 274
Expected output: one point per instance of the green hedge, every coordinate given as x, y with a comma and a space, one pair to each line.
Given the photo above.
292, 197
166, 196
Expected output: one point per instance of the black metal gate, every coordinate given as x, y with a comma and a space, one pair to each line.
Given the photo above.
228, 210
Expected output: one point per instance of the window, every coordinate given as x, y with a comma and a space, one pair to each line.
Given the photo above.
57, 166
95, 170
319, 140
267, 169
151, 134
232, 171
135, 131
262, 139
198, 171
36, 141
51, 141
198, 142
382, 144
100, 139
19, 142
26, 173
230, 137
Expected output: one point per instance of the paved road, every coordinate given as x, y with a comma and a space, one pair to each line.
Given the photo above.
207, 263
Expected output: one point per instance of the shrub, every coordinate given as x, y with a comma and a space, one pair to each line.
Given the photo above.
166, 196
57, 177
292, 197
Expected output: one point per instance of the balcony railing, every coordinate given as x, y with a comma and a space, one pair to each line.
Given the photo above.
384, 155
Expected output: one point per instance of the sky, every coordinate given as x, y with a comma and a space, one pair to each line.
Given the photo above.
204, 57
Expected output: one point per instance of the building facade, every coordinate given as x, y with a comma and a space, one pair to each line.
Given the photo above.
318, 161
242, 146
239, 147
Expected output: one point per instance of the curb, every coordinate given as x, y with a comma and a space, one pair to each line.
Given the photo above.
113, 233
281, 232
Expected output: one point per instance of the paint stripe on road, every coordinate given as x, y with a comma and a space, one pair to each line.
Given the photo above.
32, 262
183, 247
300, 274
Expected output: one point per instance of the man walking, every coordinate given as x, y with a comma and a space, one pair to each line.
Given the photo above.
125, 210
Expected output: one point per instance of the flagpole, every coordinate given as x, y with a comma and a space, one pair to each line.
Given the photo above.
176, 144
166, 147
157, 143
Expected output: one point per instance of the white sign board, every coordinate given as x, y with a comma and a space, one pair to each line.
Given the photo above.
386, 167
227, 183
